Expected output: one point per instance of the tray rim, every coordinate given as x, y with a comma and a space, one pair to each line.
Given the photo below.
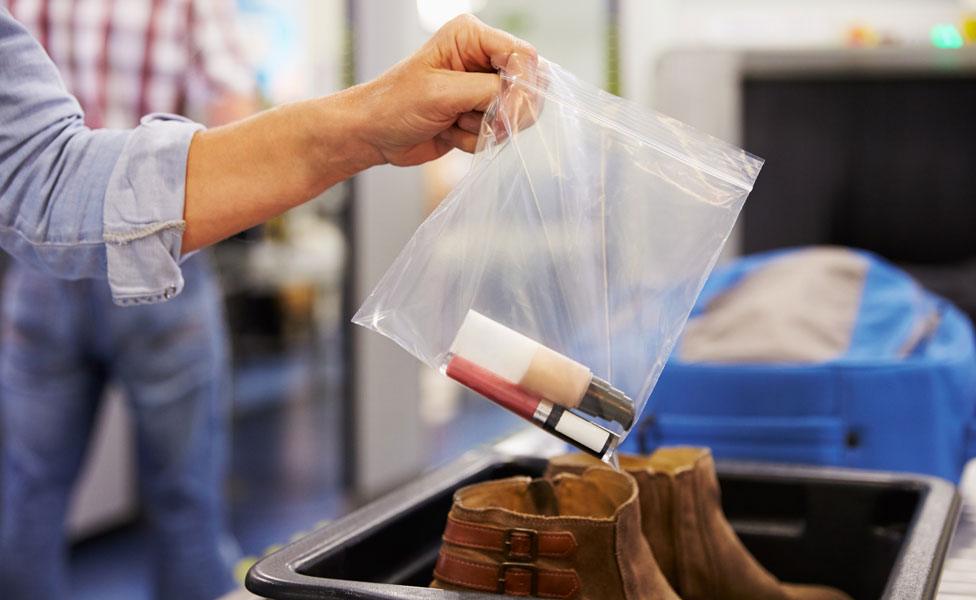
277, 575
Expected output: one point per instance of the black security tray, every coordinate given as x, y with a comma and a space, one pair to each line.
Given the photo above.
872, 534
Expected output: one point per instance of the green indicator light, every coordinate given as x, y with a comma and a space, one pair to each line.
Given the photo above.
946, 36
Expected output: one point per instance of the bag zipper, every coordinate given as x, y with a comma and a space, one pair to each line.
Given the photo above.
665, 149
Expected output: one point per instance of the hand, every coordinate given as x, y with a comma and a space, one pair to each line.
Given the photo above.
434, 100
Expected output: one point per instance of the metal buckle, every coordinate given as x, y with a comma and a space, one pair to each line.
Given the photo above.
533, 543
503, 573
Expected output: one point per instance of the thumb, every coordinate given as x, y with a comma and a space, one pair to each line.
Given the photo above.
467, 92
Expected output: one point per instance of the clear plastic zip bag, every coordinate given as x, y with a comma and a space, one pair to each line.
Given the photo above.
556, 277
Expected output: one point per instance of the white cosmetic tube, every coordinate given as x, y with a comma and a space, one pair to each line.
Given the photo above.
521, 360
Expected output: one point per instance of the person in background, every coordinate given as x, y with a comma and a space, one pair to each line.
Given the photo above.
127, 207
64, 341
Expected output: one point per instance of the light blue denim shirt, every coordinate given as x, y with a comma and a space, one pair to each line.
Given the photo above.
79, 203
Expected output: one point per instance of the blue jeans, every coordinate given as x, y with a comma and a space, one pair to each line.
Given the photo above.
63, 341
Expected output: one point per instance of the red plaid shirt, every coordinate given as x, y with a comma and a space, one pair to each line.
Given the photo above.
125, 58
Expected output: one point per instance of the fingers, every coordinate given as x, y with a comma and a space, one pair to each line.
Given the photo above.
467, 92
464, 134
471, 121
458, 138
480, 47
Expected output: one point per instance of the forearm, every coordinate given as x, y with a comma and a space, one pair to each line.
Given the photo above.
245, 173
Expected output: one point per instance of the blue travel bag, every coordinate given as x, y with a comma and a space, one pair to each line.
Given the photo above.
869, 407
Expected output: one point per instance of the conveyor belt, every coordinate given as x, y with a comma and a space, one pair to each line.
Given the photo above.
959, 573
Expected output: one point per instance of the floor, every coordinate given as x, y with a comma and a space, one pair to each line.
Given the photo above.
284, 474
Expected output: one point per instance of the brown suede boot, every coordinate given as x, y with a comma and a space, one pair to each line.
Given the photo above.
682, 519
574, 537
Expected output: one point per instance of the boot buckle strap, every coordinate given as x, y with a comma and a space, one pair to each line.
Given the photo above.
514, 578
517, 543
503, 577
521, 544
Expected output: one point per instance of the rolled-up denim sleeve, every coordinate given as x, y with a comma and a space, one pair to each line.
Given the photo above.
79, 203
143, 211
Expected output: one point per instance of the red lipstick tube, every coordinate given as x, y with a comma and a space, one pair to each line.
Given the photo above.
553, 418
